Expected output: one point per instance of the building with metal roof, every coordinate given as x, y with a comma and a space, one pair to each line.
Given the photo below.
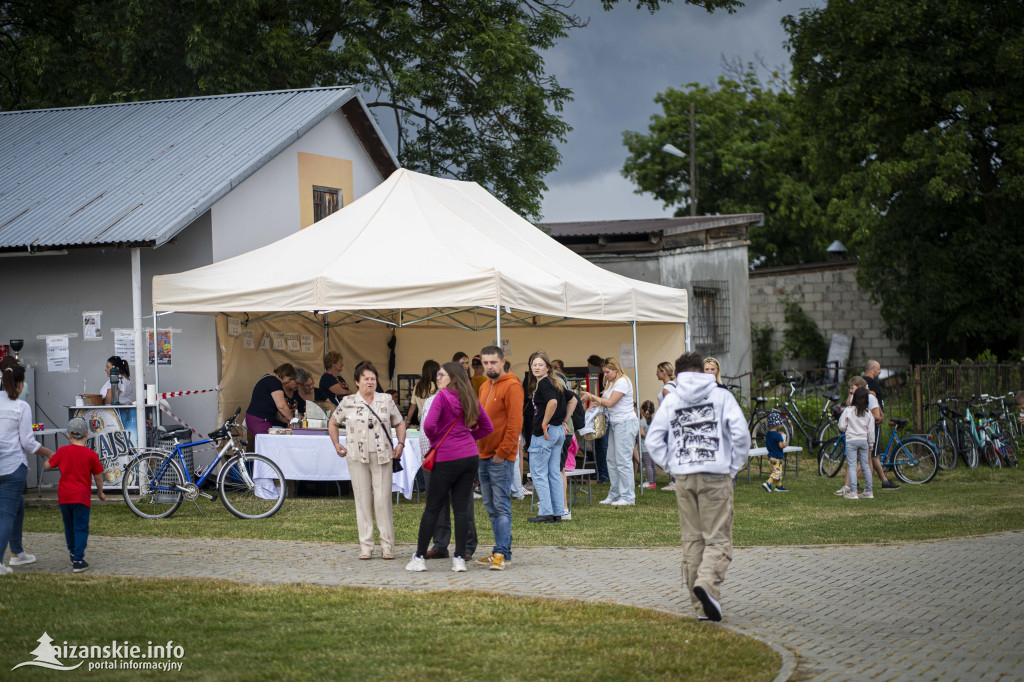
96, 200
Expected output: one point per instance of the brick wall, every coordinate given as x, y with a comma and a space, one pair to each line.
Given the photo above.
828, 293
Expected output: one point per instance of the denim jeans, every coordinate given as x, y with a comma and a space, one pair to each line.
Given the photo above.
12, 509
545, 457
496, 488
76, 528
857, 451
454, 479
517, 478
621, 438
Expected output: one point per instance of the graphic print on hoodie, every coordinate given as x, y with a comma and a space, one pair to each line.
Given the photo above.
695, 433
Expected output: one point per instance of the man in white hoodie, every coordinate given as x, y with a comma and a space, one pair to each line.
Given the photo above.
699, 435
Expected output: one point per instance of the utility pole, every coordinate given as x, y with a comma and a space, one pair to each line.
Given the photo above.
693, 158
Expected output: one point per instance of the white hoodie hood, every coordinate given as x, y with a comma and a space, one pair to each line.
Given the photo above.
699, 428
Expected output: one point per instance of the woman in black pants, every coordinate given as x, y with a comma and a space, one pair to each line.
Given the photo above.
453, 424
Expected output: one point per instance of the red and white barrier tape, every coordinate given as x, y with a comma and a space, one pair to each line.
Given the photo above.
175, 394
182, 422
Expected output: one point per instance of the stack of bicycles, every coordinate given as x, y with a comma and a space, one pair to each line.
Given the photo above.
157, 481
978, 433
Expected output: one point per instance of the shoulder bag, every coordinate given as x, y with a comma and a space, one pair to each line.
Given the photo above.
396, 464
431, 457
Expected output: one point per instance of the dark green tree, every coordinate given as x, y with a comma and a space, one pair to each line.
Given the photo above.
463, 80
751, 154
916, 108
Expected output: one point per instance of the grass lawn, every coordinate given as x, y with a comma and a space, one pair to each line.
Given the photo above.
256, 632
960, 502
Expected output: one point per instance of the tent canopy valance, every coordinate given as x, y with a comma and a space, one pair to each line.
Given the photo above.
419, 250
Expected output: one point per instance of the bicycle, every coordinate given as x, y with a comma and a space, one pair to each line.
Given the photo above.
826, 427
998, 448
914, 459
156, 482
944, 436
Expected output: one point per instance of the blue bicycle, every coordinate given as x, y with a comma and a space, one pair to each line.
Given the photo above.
914, 459
156, 482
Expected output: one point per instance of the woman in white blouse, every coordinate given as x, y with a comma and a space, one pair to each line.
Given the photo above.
125, 387
368, 417
623, 426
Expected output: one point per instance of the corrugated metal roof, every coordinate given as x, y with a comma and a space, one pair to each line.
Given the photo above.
649, 225
140, 172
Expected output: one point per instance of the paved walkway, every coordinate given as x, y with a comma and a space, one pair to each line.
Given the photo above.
947, 609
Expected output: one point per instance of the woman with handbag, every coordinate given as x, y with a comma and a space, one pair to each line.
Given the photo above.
623, 426
368, 417
549, 412
454, 423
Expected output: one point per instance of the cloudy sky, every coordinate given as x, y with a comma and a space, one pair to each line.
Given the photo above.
616, 65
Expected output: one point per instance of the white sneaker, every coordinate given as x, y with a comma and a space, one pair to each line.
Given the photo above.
458, 564
851, 496
842, 491
567, 515
867, 496
477, 496
22, 559
607, 500
418, 563
4, 570
622, 503
670, 487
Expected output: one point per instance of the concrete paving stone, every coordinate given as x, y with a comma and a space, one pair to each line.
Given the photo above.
917, 620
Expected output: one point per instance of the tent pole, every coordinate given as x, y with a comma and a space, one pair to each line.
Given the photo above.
498, 315
139, 368
156, 370
636, 396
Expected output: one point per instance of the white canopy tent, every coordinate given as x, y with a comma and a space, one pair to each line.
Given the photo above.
420, 250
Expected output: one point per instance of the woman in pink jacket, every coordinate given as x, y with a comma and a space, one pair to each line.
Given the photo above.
454, 423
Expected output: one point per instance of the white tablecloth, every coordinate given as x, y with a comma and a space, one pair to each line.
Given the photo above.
313, 458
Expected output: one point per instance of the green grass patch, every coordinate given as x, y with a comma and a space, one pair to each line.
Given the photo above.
955, 503
258, 632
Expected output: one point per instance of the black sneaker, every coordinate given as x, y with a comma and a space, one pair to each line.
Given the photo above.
889, 485
766, 485
712, 609
780, 489
544, 518
79, 566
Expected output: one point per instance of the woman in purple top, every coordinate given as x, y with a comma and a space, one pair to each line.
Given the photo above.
453, 424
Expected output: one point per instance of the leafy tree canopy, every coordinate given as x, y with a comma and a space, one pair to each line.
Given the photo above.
751, 155
463, 80
916, 108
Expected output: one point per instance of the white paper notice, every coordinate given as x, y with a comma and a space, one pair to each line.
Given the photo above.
279, 342
124, 344
626, 357
234, 327
265, 342
249, 339
58, 359
92, 327
307, 343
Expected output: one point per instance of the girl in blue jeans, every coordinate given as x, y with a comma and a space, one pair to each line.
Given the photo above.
546, 442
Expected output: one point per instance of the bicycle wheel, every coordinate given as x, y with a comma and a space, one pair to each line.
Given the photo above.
247, 497
760, 428
945, 447
148, 485
833, 455
829, 431
991, 455
969, 451
915, 461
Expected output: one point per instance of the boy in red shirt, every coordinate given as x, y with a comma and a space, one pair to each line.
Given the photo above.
78, 464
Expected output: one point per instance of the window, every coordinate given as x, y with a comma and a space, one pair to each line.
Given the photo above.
709, 312
325, 202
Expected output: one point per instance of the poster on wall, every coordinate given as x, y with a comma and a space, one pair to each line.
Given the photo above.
58, 357
307, 343
249, 339
626, 357
279, 341
234, 327
163, 346
92, 326
506, 346
265, 343
124, 344
293, 342
113, 435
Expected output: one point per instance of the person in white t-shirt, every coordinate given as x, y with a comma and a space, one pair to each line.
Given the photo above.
623, 426
125, 387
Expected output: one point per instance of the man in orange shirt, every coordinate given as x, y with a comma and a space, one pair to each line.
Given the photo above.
502, 398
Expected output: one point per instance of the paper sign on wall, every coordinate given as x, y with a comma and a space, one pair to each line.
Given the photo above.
92, 327
307, 343
249, 339
506, 346
58, 358
265, 342
293, 342
234, 327
626, 357
124, 344
278, 339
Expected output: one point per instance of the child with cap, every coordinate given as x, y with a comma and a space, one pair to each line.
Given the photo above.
775, 441
78, 464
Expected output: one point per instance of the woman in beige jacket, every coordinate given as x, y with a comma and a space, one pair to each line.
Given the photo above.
368, 417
